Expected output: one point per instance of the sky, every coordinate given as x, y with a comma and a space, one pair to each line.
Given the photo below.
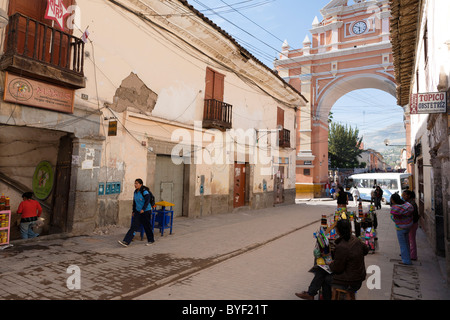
261, 26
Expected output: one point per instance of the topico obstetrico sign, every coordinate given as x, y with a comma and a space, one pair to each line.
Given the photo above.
433, 102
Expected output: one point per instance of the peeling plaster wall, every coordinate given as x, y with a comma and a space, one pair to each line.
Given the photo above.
159, 88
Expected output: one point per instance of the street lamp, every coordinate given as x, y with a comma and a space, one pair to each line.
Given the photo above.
387, 143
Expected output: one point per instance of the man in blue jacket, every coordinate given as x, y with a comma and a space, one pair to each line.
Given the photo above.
143, 201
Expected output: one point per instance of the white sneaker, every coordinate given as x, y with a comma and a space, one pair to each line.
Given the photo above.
123, 243
149, 243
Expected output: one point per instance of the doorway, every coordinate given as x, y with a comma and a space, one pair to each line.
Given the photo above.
240, 190
59, 221
278, 185
169, 182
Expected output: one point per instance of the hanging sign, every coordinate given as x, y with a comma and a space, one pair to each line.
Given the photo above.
112, 128
38, 94
56, 11
432, 102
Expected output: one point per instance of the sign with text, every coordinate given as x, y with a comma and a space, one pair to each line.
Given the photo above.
112, 128
433, 102
38, 94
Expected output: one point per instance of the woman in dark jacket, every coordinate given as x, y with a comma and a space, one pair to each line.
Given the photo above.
349, 270
142, 213
342, 198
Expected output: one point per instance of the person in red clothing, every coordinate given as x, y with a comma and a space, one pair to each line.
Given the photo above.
30, 210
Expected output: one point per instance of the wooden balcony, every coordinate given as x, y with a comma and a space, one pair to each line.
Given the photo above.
284, 138
38, 51
217, 115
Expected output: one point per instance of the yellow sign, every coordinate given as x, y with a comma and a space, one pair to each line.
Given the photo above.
112, 128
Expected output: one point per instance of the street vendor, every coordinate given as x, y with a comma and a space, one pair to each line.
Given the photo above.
348, 267
342, 198
322, 277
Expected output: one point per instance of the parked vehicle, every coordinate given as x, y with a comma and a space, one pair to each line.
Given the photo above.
390, 183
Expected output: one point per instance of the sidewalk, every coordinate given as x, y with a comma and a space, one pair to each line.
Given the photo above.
38, 269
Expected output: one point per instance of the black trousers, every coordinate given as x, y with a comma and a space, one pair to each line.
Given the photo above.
322, 279
143, 219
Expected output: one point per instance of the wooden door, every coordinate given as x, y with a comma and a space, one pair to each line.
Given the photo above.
59, 215
278, 185
168, 183
239, 185
214, 90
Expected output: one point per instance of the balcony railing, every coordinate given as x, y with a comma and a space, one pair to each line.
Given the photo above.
284, 138
40, 51
217, 114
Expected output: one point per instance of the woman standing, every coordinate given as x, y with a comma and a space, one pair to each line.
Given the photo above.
410, 197
342, 198
378, 197
402, 215
142, 213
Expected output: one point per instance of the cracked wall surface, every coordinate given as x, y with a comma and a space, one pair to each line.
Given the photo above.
134, 95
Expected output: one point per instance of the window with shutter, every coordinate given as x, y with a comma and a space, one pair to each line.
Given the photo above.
217, 113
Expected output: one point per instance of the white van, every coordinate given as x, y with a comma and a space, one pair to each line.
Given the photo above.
390, 183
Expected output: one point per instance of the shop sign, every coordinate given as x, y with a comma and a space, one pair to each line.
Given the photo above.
112, 128
43, 180
38, 94
432, 102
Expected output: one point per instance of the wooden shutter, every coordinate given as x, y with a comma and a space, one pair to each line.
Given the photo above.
280, 117
209, 87
219, 82
215, 83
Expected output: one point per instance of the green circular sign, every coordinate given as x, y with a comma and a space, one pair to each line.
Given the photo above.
43, 180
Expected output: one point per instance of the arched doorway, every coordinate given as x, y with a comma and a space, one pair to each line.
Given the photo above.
350, 50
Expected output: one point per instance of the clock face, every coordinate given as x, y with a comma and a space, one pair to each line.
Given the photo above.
359, 27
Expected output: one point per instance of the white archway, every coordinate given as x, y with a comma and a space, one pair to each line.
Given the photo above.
344, 85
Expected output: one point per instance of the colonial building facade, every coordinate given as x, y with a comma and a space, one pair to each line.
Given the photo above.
153, 90
421, 46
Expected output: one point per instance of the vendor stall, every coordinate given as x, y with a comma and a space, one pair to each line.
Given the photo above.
363, 226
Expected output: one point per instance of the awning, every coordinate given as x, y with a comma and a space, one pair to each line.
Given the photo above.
404, 27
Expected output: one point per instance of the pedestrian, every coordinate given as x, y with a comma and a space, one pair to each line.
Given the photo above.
402, 215
333, 192
327, 189
143, 201
355, 195
372, 195
378, 197
342, 198
29, 210
410, 196
348, 266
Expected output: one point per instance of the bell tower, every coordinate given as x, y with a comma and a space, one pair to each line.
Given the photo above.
349, 49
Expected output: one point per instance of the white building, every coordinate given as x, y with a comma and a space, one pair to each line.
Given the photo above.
159, 93
421, 42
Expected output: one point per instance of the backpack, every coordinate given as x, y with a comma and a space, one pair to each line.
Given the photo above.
152, 197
